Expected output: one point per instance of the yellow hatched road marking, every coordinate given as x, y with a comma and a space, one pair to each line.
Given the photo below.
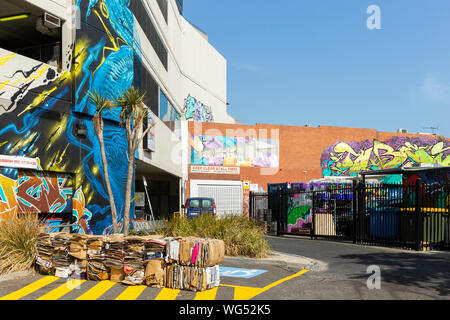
97, 291
207, 295
167, 294
62, 290
246, 293
131, 293
30, 288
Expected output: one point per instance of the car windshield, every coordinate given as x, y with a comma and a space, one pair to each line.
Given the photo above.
194, 203
207, 203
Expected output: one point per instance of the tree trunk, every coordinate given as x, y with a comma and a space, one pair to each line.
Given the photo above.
99, 124
131, 152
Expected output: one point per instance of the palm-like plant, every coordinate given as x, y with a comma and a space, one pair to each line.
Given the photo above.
132, 115
103, 103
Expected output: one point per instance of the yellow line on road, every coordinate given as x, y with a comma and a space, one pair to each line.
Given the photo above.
131, 293
62, 290
207, 295
30, 288
246, 293
167, 294
97, 291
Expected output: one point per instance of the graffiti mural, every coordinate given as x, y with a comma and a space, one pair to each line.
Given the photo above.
44, 192
43, 106
349, 158
197, 111
234, 151
299, 212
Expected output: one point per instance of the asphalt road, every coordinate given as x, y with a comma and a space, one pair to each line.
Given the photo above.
343, 275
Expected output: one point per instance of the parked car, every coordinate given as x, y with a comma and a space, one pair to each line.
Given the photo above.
198, 206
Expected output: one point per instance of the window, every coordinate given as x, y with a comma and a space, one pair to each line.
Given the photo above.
195, 203
163, 6
141, 15
168, 114
207, 203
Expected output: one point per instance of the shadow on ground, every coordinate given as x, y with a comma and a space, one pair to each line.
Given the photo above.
412, 269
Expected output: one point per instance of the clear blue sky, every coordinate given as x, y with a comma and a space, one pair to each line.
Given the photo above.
316, 62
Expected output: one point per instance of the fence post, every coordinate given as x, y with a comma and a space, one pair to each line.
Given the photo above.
355, 208
418, 210
313, 216
279, 202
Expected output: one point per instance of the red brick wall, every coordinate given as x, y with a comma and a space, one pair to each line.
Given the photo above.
300, 148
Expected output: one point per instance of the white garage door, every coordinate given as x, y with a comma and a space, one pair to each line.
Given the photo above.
227, 194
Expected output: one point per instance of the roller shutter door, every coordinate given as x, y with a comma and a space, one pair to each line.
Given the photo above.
227, 195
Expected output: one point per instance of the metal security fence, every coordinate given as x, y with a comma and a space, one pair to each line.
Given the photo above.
396, 215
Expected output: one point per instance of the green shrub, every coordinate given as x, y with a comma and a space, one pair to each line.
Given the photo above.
18, 242
242, 236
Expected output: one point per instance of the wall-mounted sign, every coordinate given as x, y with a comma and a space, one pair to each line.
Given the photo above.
246, 184
18, 162
215, 169
254, 187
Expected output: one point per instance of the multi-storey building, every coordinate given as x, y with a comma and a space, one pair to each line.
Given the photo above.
52, 54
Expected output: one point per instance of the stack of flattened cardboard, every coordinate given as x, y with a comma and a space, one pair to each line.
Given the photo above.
179, 263
134, 260
78, 253
194, 263
44, 252
154, 248
60, 244
60, 258
154, 255
192, 278
96, 269
201, 252
115, 256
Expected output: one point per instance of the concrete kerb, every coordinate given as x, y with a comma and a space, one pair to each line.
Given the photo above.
283, 259
17, 275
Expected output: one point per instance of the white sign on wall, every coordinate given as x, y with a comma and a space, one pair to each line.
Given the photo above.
18, 162
215, 169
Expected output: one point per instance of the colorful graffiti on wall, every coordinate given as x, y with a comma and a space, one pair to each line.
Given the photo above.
349, 158
197, 111
299, 212
234, 151
43, 107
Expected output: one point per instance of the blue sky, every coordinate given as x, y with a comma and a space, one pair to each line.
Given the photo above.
315, 62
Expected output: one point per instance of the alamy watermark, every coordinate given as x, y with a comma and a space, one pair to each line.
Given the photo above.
374, 280
374, 20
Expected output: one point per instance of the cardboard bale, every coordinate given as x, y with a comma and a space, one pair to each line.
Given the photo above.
60, 255
202, 253
192, 278
117, 274
78, 246
96, 270
155, 273
154, 248
115, 251
44, 251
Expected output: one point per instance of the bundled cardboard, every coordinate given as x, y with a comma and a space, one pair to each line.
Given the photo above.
180, 263
44, 250
115, 251
96, 269
154, 248
201, 252
60, 256
155, 275
192, 278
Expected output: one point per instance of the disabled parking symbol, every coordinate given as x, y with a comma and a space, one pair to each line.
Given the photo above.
240, 272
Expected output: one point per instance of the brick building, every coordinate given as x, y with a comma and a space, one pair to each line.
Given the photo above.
226, 161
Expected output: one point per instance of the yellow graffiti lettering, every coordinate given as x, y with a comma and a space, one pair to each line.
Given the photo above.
4, 60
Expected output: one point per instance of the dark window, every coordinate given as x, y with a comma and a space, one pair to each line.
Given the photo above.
180, 5
145, 82
207, 204
194, 203
141, 14
163, 6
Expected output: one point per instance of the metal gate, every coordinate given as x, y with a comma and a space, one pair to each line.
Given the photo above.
397, 215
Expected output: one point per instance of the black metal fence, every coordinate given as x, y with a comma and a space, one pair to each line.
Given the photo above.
397, 215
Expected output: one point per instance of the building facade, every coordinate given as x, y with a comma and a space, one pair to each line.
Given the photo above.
227, 161
52, 54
